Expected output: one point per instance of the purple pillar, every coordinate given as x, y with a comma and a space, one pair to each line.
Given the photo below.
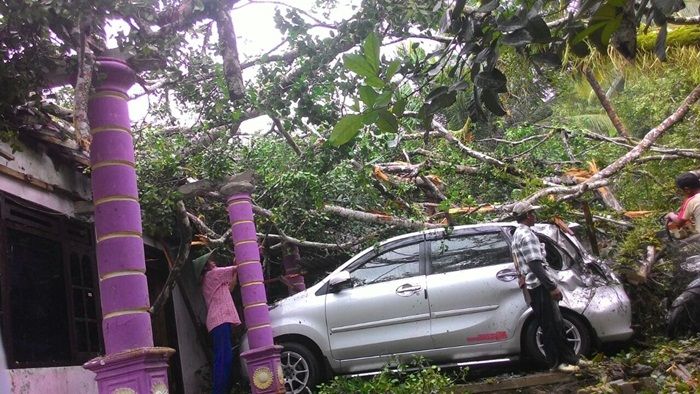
131, 362
263, 358
292, 270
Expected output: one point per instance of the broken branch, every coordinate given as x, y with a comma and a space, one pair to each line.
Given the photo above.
182, 253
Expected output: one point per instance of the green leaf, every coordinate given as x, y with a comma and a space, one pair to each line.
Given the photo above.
581, 49
345, 130
539, 30
512, 24
610, 29
587, 31
383, 99
392, 69
359, 65
368, 95
436, 92
488, 6
371, 50
370, 117
387, 122
491, 80
492, 102
517, 38
375, 82
399, 107
438, 99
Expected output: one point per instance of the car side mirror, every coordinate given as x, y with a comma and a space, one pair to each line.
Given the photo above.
339, 281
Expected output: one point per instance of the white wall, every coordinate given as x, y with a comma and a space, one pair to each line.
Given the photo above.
191, 353
41, 167
59, 380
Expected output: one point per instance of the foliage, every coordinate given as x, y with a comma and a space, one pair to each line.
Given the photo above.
415, 377
682, 36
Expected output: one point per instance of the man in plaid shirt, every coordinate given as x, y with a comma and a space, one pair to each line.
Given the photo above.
544, 293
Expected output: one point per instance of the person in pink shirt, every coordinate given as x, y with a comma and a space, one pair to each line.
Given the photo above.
221, 318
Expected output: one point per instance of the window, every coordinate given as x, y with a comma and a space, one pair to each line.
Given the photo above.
469, 251
48, 289
556, 258
37, 299
402, 262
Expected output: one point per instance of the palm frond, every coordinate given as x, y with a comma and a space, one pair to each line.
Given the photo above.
597, 123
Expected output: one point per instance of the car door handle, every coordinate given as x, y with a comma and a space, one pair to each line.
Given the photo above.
408, 289
507, 275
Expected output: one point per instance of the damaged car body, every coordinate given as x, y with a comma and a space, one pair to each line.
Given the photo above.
448, 295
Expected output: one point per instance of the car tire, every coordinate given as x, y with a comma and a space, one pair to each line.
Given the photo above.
301, 368
577, 333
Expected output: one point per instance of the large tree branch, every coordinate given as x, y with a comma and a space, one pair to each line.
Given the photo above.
182, 254
229, 53
83, 85
649, 138
286, 135
378, 218
689, 153
635, 153
600, 93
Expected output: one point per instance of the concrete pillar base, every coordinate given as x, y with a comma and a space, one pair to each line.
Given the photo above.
137, 371
265, 369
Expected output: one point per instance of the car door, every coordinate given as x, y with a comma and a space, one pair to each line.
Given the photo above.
473, 292
385, 311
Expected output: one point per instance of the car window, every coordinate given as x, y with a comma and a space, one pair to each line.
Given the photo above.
402, 262
554, 256
469, 251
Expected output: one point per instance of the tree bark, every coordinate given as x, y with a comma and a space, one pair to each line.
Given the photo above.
600, 93
83, 85
182, 254
379, 218
229, 52
286, 135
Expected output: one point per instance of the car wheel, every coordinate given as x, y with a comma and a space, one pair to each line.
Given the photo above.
300, 367
577, 334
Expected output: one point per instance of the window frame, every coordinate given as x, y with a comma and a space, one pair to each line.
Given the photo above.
73, 236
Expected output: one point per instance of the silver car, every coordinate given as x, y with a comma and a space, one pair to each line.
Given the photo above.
449, 296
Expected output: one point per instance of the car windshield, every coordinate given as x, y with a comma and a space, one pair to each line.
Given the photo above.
566, 244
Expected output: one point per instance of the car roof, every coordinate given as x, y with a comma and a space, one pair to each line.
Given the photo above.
454, 229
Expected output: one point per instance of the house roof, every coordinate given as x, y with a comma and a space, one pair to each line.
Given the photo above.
50, 126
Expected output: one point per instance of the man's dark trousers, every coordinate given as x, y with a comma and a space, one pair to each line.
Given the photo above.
556, 347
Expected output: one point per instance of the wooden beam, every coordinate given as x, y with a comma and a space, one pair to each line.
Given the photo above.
538, 379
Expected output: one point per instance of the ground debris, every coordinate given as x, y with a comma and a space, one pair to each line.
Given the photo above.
656, 366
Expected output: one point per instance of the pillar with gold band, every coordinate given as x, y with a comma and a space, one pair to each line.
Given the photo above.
263, 358
131, 362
